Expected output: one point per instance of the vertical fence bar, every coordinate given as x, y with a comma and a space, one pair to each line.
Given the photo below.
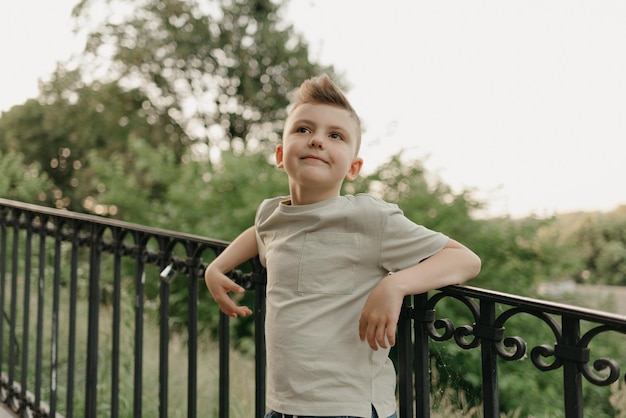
421, 356
14, 348
405, 359
71, 340
117, 321
26, 309
164, 337
40, 312
140, 279
224, 347
91, 401
192, 388
259, 344
572, 377
3, 273
491, 400
54, 343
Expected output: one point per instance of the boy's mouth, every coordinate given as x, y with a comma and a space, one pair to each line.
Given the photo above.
313, 157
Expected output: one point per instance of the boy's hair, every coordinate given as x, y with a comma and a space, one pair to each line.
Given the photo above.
322, 90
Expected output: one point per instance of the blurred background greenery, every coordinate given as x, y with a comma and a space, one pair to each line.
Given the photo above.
170, 116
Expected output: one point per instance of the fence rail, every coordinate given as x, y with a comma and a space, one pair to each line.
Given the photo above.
56, 357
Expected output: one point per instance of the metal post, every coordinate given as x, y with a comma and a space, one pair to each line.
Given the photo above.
164, 337
572, 377
259, 342
224, 347
91, 387
421, 356
192, 327
491, 399
405, 359
140, 279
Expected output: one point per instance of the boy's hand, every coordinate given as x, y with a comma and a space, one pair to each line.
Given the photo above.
379, 318
220, 285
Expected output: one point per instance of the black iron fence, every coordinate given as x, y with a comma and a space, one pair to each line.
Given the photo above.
77, 292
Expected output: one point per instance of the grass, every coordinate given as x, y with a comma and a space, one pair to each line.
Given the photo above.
241, 378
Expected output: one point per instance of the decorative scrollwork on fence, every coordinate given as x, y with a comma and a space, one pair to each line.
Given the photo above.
519, 345
599, 365
461, 333
545, 357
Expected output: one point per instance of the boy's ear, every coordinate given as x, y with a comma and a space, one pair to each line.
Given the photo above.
279, 157
354, 169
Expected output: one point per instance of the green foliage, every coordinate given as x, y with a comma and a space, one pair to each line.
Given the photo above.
221, 69
598, 241
60, 136
21, 181
618, 399
148, 186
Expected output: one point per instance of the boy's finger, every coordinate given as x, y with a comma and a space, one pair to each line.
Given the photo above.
367, 332
231, 286
362, 329
373, 336
232, 310
380, 337
391, 334
241, 311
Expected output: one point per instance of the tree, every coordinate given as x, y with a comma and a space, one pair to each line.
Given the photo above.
218, 200
221, 69
598, 240
201, 75
59, 135
21, 181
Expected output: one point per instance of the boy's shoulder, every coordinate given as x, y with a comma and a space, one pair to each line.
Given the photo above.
270, 204
274, 201
367, 200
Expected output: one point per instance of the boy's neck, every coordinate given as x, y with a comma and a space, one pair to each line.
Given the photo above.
300, 198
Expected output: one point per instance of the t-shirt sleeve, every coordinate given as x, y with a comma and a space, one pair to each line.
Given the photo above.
261, 214
264, 211
405, 243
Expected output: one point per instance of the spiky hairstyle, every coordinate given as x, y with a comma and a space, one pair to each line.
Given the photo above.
322, 90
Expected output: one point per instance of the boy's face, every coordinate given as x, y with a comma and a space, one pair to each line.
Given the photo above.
319, 150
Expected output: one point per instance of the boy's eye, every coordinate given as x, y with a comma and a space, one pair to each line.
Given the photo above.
336, 135
303, 129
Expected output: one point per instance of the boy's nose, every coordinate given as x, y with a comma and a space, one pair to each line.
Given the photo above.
316, 142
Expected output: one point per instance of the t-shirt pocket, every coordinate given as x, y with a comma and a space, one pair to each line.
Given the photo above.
328, 263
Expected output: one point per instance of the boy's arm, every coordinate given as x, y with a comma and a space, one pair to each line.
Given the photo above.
243, 248
454, 264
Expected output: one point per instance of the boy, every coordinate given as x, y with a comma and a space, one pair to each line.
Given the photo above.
332, 304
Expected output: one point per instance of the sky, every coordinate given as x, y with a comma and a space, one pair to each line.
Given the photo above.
523, 102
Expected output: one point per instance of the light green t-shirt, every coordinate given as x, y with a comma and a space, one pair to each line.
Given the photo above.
322, 261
